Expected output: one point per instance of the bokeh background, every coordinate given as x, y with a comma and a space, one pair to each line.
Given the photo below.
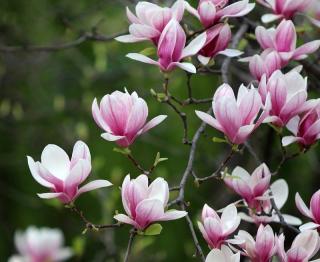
46, 97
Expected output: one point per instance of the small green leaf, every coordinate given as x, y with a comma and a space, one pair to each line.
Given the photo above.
124, 151
158, 159
154, 229
219, 140
148, 51
78, 245
153, 93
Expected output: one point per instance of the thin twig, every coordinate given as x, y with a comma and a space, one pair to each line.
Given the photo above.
137, 165
133, 233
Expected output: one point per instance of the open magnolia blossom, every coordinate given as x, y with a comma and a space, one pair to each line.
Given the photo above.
305, 128
224, 254
283, 8
260, 249
123, 117
313, 212
263, 213
172, 50
216, 230
40, 245
62, 175
146, 204
218, 38
287, 93
150, 20
303, 247
211, 12
252, 188
237, 117
283, 39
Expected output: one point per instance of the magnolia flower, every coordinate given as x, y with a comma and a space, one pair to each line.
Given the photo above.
145, 204
288, 94
264, 64
234, 117
211, 12
40, 245
279, 191
218, 38
123, 117
283, 40
260, 249
223, 255
62, 175
172, 49
283, 8
150, 20
252, 188
305, 128
303, 247
313, 212
215, 230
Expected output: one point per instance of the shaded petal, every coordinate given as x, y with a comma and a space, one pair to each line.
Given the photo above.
94, 185
153, 122
173, 215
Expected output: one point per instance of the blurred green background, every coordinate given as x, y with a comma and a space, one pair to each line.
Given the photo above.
46, 97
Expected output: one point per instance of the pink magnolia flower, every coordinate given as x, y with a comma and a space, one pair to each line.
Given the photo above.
234, 117
218, 38
222, 255
313, 212
123, 117
215, 230
264, 64
172, 49
305, 128
62, 175
283, 8
40, 245
211, 12
260, 249
252, 188
303, 247
283, 40
146, 204
150, 20
279, 191
287, 93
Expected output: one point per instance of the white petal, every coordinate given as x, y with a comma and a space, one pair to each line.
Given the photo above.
280, 192
110, 137
268, 18
231, 52
129, 39
194, 46
141, 58
204, 60
287, 140
187, 67
94, 185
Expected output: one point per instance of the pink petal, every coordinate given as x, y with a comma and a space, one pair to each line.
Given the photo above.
153, 122
178, 9
125, 219
243, 133
110, 137
209, 120
143, 31
148, 211
286, 36
98, 118
80, 151
78, 174
309, 226
264, 37
94, 185
159, 189
173, 215
35, 173
132, 18
306, 49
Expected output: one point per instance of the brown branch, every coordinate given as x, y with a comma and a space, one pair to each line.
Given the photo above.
87, 36
133, 233
138, 166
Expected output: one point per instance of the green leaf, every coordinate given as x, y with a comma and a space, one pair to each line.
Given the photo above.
78, 245
148, 51
124, 151
219, 140
158, 159
153, 230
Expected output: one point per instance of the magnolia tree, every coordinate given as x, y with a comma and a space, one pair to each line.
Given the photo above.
277, 96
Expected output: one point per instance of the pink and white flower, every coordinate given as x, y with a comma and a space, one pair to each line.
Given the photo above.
305, 128
211, 12
40, 245
279, 191
235, 117
224, 254
62, 175
216, 230
283, 8
313, 212
252, 188
283, 40
123, 117
303, 247
146, 204
287, 93
218, 38
260, 249
150, 20
172, 49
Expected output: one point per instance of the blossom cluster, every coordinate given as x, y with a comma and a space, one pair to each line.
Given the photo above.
278, 97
